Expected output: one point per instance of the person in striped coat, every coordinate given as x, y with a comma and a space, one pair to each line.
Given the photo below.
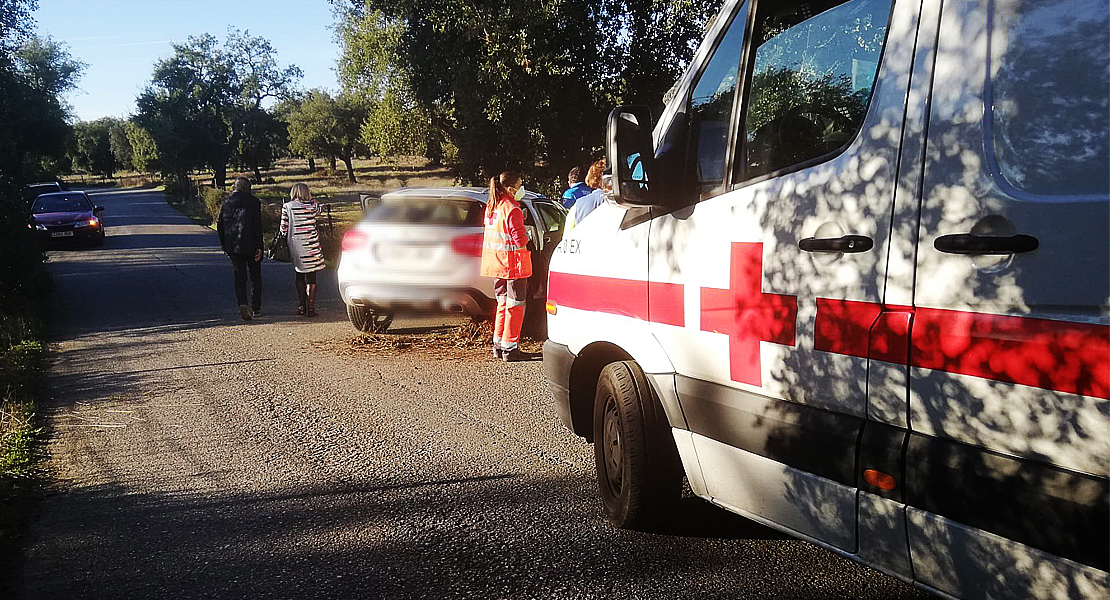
298, 222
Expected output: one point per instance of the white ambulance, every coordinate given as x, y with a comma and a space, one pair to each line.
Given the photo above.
854, 284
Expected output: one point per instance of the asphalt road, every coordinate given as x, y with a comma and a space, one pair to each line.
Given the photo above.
199, 456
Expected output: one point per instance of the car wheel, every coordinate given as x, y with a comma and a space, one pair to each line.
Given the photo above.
638, 471
368, 320
99, 240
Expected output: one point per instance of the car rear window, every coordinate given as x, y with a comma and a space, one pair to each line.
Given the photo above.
430, 211
67, 203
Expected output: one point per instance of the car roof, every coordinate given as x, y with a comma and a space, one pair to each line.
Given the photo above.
478, 194
68, 193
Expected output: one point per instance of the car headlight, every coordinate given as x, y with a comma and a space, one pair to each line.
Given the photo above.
40, 227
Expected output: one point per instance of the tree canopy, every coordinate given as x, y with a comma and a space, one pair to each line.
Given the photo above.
34, 74
204, 100
92, 148
516, 85
327, 126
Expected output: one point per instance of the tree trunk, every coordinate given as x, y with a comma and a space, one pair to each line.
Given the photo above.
434, 149
350, 169
219, 176
311, 165
257, 174
332, 160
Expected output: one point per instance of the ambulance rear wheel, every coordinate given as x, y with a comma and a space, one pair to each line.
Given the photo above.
638, 472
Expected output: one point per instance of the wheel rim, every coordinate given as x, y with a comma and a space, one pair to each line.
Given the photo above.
611, 445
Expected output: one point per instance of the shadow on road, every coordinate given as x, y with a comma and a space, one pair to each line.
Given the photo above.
495, 536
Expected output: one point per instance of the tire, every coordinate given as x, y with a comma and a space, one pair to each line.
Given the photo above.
368, 320
638, 472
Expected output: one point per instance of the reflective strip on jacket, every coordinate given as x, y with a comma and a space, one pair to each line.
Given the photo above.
505, 252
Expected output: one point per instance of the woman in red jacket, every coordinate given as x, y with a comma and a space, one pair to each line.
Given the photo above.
505, 257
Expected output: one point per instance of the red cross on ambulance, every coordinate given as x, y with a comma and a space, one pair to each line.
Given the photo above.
746, 314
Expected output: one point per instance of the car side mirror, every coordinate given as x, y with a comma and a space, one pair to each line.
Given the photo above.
630, 153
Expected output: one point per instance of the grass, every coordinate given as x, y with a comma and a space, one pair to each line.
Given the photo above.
19, 378
22, 435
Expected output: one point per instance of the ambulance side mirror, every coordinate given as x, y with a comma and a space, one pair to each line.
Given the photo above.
630, 154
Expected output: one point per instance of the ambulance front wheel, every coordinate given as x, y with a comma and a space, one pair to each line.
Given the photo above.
638, 472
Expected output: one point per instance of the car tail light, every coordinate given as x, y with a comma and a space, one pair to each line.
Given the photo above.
468, 245
353, 240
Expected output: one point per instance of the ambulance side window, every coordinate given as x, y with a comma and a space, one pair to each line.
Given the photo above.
812, 69
1049, 123
711, 108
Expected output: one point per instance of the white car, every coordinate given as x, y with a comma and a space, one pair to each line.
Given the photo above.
419, 250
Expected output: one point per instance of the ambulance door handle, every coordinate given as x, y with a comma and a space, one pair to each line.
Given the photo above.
844, 243
967, 243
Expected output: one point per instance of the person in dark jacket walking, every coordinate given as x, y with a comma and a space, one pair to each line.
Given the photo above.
240, 231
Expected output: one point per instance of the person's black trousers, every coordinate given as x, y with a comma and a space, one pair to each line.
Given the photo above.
245, 266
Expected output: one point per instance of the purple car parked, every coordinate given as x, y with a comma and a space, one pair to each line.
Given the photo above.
67, 216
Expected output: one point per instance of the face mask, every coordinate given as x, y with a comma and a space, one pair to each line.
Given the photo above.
519, 193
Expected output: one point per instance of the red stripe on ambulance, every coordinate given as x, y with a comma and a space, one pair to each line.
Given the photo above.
663, 302
1053, 355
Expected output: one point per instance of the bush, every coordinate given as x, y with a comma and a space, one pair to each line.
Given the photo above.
24, 285
180, 186
271, 220
211, 199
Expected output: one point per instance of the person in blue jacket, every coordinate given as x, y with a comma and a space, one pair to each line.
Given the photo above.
577, 188
589, 202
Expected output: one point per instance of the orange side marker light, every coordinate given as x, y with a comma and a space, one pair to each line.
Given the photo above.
552, 308
879, 479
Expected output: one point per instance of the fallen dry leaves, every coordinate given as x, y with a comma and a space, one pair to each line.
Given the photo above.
468, 341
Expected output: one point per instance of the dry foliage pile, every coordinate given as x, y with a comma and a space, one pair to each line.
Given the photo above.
465, 341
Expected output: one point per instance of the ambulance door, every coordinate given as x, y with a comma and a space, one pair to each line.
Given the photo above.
790, 136
1008, 457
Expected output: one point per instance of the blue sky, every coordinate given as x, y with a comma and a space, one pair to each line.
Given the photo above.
120, 40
